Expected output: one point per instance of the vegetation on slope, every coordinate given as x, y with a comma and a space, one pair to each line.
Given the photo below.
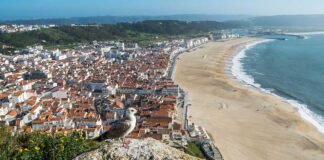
41, 146
141, 32
194, 150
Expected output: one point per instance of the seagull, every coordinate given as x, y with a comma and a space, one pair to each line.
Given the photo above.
120, 128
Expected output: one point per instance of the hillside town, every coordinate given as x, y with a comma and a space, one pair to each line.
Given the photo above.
10, 28
88, 87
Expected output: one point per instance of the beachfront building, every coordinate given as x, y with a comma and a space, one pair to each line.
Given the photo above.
195, 42
225, 35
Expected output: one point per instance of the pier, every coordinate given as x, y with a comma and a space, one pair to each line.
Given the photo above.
281, 35
292, 35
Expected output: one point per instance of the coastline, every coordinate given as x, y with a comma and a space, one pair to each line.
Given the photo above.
244, 122
240, 75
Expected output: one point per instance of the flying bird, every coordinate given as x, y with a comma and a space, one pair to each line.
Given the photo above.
120, 128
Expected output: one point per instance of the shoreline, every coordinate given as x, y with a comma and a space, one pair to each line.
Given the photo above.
238, 74
263, 121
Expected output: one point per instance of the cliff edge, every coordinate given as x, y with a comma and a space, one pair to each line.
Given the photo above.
146, 149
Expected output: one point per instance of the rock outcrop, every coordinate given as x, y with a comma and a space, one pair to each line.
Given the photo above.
146, 149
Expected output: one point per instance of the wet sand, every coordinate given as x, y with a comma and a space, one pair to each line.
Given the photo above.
245, 123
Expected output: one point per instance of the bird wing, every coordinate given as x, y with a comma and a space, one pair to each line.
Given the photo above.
117, 130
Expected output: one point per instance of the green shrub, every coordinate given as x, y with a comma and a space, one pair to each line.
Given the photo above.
39, 146
194, 150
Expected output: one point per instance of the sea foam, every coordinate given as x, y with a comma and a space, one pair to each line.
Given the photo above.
238, 72
237, 66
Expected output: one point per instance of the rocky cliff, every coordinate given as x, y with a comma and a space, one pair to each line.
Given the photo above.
147, 149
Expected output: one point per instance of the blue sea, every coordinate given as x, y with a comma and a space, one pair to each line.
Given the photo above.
292, 69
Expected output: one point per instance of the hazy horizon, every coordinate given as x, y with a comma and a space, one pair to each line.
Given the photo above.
38, 9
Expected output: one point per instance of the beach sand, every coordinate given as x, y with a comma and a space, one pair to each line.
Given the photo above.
245, 123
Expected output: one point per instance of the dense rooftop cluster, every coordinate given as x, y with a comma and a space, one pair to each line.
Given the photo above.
88, 87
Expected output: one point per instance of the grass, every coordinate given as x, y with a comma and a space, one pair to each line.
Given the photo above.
194, 150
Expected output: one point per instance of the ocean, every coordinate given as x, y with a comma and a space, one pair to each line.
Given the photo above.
292, 69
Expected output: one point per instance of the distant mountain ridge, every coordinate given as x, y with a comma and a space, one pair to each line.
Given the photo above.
265, 21
118, 19
289, 21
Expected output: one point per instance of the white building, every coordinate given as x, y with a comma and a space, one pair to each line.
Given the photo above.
61, 94
20, 96
4, 110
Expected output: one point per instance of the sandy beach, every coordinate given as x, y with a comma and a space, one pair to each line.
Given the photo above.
245, 123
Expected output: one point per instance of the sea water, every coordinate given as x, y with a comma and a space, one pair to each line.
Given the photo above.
292, 69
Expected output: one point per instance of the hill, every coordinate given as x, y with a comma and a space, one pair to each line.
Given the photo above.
120, 19
315, 21
141, 32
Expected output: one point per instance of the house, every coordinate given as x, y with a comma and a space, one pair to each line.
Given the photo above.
103, 50
4, 110
29, 103
11, 115
113, 53
176, 131
198, 132
60, 94
26, 85
90, 122
4, 100
33, 114
19, 96
4, 97
170, 98
162, 114
29, 117
40, 124
4, 75
110, 90
170, 90
69, 123
131, 46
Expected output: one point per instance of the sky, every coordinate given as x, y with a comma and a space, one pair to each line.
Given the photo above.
28, 9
